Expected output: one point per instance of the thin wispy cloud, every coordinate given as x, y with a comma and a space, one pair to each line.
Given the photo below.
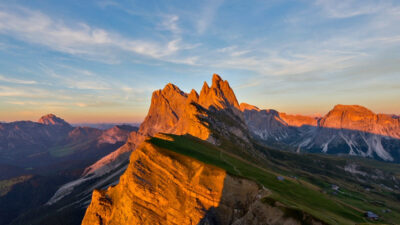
16, 81
350, 8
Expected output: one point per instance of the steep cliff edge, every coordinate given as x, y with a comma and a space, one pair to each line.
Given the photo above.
159, 187
164, 187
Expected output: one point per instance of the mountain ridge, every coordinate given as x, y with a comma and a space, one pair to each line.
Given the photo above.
215, 118
346, 129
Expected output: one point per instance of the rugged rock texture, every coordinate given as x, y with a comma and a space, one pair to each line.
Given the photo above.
219, 95
346, 129
159, 187
173, 111
163, 187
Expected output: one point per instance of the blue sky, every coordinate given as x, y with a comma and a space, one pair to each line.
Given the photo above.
99, 61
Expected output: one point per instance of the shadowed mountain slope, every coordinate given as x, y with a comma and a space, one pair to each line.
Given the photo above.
346, 129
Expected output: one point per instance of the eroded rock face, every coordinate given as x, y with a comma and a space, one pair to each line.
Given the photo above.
172, 111
159, 187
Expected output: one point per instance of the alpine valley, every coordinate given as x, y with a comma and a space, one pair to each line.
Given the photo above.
203, 158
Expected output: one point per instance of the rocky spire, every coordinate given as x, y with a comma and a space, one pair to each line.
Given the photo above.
219, 95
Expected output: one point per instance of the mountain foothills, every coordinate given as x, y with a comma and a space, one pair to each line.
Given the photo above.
206, 159
37, 157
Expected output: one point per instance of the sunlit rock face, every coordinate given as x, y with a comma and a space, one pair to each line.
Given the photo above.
355, 117
219, 95
166, 188
159, 187
176, 112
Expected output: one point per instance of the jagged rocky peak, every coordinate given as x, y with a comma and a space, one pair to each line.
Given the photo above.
193, 96
167, 107
219, 95
51, 119
171, 109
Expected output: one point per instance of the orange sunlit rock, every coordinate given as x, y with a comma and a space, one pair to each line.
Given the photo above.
176, 112
159, 187
355, 117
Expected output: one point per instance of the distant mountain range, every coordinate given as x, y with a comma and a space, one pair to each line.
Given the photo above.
346, 129
45, 155
30, 144
195, 158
